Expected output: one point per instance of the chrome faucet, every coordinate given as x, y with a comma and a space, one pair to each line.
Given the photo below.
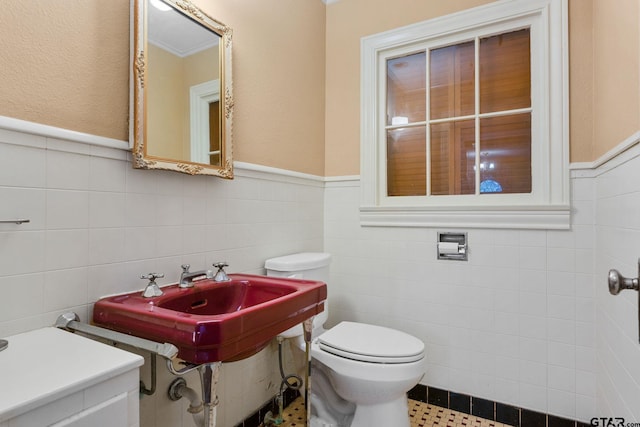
152, 289
186, 277
221, 275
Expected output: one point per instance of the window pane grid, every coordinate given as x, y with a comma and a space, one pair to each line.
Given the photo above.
449, 89
407, 125
471, 117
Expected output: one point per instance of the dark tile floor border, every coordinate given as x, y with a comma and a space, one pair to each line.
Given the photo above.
483, 408
488, 409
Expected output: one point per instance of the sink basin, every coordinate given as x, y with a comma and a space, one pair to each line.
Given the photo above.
214, 321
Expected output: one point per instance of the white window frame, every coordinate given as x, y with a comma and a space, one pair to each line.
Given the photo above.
548, 205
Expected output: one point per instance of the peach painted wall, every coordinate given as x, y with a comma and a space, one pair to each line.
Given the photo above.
279, 81
604, 75
65, 63
616, 72
168, 139
581, 57
296, 72
70, 68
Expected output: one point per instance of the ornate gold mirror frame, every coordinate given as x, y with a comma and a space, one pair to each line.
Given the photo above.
141, 123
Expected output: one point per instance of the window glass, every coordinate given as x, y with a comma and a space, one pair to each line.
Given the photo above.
406, 89
504, 144
505, 152
453, 158
406, 162
505, 72
452, 81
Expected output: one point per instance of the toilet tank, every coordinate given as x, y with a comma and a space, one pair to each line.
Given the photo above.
304, 265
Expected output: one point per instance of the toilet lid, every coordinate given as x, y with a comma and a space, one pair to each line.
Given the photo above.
370, 343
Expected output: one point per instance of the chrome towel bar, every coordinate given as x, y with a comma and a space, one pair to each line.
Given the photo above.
15, 221
71, 322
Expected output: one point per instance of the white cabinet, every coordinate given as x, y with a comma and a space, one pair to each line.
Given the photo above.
113, 412
55, 378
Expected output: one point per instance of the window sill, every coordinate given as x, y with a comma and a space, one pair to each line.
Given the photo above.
550, 217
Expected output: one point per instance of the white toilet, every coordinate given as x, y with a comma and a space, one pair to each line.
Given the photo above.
360, 373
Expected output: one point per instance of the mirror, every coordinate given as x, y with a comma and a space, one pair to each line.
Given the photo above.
182, 98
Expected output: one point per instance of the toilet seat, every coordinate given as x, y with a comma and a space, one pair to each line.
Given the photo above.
370, 343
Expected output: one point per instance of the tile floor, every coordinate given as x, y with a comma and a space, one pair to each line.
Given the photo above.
421, 415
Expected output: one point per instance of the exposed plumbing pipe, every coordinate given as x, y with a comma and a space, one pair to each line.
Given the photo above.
285, 384
178, 389
209, 374
204, 410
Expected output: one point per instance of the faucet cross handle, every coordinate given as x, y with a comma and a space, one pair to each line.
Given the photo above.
185, 268
152, 289
221, 275
152, 276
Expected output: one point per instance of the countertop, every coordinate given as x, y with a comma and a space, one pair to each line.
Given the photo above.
43, 365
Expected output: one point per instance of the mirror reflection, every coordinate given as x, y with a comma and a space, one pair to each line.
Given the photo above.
184, 104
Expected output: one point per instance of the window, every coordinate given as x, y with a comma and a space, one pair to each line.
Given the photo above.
464, 120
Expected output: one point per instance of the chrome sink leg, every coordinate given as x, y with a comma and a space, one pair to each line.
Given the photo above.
308, 328
209, 374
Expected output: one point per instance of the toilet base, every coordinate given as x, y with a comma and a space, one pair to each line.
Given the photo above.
394, 413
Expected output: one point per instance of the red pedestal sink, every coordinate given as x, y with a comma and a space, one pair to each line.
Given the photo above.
215, 321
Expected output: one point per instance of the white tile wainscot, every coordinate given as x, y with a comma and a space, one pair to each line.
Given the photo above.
54, 377
97, 224
515, 324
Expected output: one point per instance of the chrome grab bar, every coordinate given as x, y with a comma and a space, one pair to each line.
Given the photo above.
70, 321
14, 221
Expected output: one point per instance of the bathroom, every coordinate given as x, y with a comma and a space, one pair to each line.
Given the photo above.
526, 321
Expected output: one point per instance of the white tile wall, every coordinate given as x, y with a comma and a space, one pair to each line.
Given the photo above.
514, 324
526, 321
617, 234
97, 225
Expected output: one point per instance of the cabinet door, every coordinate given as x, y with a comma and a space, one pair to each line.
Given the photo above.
111, 413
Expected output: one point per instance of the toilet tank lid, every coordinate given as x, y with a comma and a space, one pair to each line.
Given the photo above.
299, 261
